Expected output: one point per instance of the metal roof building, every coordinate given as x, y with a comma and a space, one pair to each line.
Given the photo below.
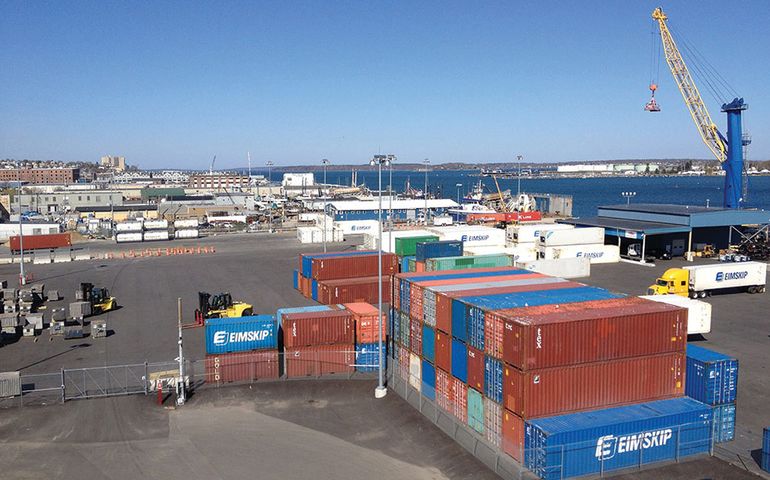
672, 228
402, 209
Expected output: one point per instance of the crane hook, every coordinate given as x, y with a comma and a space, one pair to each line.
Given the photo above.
652, 105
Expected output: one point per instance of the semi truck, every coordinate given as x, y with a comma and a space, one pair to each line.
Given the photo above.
698, 281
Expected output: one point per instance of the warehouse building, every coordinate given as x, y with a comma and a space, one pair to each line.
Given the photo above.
119, 213
672, 228
62, 201
40, 176
403, 210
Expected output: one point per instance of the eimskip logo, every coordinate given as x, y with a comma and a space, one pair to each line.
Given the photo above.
608, 446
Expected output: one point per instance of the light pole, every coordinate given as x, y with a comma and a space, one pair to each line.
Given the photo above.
381, 390
269, 177
22, 276
628, 196
426, 162
325, 162
459, 186
518, 177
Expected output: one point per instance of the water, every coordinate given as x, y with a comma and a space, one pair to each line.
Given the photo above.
587, 193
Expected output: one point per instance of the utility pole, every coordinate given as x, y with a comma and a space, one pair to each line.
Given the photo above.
325, 162
22, 276
381, 390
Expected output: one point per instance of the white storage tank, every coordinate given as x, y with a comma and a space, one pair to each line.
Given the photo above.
187, 233
131, 226
597, 253
155, 235
530, 233
126, 237
576, 236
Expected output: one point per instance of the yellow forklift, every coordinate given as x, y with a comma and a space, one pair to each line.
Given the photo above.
220, 305
98, 297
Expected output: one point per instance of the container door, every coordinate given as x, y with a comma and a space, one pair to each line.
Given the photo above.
677, 247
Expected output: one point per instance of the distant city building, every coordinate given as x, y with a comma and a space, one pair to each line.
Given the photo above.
62, 201
109, 161
40, 176
298, 180
218, 181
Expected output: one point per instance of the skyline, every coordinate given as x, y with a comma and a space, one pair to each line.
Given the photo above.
292, 82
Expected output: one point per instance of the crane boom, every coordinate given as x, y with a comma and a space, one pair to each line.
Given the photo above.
700, 115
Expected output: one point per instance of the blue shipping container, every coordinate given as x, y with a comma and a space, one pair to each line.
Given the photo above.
428, 380
295, 279
367, 359
314, 289
445, 248
711, 377
314, 308
476, 328
459, 321
428, 343
405, 290
405, 264
241, 334
493, 379
459, 360
724, 423
766, 449
585, 443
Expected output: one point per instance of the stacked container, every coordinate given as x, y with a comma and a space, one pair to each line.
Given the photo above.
365, 318
345, 277
128, 231
462, 262
155, 230
765, 463
241, 349
186, 228
318, 343
712, 378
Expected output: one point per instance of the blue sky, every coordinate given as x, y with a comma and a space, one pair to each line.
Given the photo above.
170, 84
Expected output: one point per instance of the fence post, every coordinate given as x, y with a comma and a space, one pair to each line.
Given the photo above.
146, 379
63, 391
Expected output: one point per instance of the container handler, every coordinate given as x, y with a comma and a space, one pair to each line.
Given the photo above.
220, 306
98, 297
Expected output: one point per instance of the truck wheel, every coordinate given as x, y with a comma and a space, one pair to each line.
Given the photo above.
703, 294
693, 295
752, 289
762, 289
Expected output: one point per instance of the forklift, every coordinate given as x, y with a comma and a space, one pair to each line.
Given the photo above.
98, 297
220, 306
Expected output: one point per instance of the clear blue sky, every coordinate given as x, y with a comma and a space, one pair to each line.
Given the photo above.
170, 84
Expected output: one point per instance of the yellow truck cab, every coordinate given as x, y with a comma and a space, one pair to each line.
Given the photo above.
674, 281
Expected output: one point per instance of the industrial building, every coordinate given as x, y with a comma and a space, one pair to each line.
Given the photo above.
218, 181
119, 213
56, 202
672, 228
403, 210
40, 176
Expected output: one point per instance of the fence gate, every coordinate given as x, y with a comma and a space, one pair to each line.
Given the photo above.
104, 381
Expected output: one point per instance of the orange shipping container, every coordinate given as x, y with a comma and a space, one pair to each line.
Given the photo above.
513, 435
319, 360
365, 315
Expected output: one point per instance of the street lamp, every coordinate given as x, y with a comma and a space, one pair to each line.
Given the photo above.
325, 162
518, 177
426, 162
22, 276
459, 186
269, 177
628, 196
379, 161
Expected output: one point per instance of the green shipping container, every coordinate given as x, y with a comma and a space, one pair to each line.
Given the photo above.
412, 262
406, 246
475, 410
474, 261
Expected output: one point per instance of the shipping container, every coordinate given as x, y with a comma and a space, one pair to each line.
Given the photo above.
238, 334
314, 289
636, 328
241, 366
562, 267
596, 253
444, 351
403, 363
471, 235
365, 316
354, 290
155, 235
601, 441
313, 308
512, 437
129, 237
493, 379
540, 393
475, 410
187, 223
446, 248
415, 302
407, 246
765, 452
444, 390
724, 423
312, 361
531, 233
295, 280
156, 224
698, 312
306, 259
458, 392
335, 268
475, 369
428, 380
368, 358
318, 328
128, 227
712, 377
428, 343
415, 371
459, 360
39, 242
493, 422
465, 262
405, 264
188, 233
505, 217
415, 337
577, 236
405, 330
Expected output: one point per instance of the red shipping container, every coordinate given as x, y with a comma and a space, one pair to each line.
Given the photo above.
476, 368
444, 351
558, 390
493, 335
459, 393
503, 217
353, 290
319, 360
419, 267
415, 302
443, 390
592, 335
415, 336
513, 435
396, 293
241, 366
443, 313
318, 328
334, 268
365, 316
40, 242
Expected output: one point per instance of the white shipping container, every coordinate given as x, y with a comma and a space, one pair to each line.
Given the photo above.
186, 223
307, 217
523, 252
530, 233
128, 227
597, 253
471, 236
698, 312
316, 235
187, 233
576, 236
357, 227
155, 235
563, 267
415, 371
727, 275
128, 237
305, 234
156, 224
